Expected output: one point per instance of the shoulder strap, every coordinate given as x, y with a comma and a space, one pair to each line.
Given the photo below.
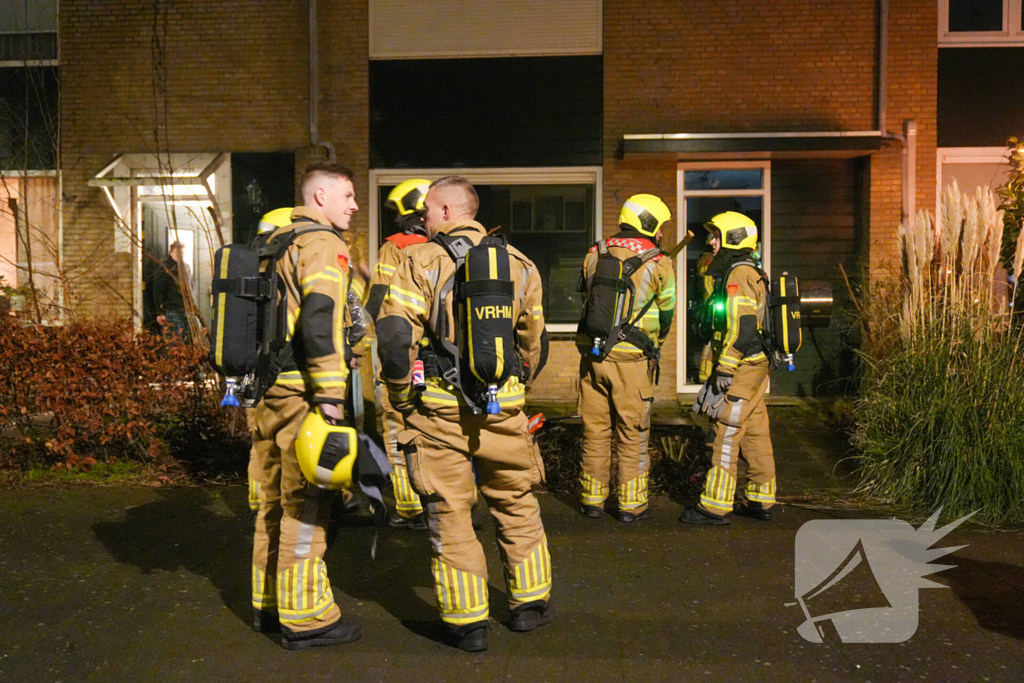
275, 247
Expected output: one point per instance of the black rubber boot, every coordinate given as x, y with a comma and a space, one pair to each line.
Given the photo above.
265, 622
627, 517
468, 638
696, 516
592, 511
753, 510
344, 630
531, 615
415, 523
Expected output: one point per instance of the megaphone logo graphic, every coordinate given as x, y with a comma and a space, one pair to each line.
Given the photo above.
857, 581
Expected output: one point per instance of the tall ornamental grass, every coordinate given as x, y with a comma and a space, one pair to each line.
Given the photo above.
941, 418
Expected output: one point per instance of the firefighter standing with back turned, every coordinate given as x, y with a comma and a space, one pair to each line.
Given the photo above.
407, 201
733, 396
619, 363
290, 586
449, 440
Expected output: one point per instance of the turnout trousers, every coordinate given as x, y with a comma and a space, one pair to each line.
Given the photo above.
742, 431
615, 399
289, 577
443, 458
407, 501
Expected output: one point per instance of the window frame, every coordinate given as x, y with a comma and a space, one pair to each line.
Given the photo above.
557, 175
682, 194
1007, 37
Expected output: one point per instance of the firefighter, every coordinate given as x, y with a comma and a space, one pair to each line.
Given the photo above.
407, 201
290, 587
447, 443
271, 221
617, 392
733, 396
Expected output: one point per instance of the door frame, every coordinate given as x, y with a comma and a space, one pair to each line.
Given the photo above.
681, 280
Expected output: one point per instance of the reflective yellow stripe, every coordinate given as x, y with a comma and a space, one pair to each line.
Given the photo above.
303, 591
719, 491
592, 491
222, 299
499, 352
538, 311
385, 270
530, 580
633, 494
408, 299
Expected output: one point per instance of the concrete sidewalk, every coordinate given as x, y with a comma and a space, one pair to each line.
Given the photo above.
131, 584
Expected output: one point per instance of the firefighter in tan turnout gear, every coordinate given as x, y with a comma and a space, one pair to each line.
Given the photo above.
477, 303
289, 578
629, 298
733, 396
407, 201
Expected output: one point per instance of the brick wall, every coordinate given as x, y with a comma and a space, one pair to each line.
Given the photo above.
235, 80
790, 65
913, 88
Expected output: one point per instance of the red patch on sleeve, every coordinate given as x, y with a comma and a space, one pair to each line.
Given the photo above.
732, 289
343, 262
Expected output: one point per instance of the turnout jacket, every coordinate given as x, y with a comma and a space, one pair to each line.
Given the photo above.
412, 303
316, 272
389, 256
744, 314
654, 280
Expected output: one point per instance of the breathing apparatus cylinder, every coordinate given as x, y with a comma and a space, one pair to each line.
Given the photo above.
493, 407
231, 393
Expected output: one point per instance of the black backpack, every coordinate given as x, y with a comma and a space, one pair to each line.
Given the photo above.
781, 332
484, 355
248, 338
605, 318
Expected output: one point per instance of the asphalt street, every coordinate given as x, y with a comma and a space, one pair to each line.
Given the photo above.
151, 584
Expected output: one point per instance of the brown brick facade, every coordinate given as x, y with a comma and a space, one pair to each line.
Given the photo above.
232, 77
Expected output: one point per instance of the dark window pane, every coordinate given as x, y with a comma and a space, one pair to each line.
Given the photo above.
731, 179
28, 117
552, 224
28, 46
522, 111
975, 15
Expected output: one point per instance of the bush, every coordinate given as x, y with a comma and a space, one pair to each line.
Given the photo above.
942, 411
678, 464
99, 392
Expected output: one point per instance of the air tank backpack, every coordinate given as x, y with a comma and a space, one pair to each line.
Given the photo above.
606, 319
484, 355
248, 339
781, 332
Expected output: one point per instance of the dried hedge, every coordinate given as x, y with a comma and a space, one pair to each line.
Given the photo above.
98, 391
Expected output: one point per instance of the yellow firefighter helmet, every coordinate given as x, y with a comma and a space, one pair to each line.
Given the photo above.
326, 452
407, 197
272, 220
644, 213
737, 230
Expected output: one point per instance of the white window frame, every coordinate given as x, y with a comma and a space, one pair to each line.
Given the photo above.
1011, 35
682, 194
558, 175
945, 156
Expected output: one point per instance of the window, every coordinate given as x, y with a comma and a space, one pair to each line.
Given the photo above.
28, 32
974, 23
705, 190
551, 215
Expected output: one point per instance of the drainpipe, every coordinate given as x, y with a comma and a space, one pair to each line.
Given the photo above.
314, 87
883, 63
908, 205
909, 171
